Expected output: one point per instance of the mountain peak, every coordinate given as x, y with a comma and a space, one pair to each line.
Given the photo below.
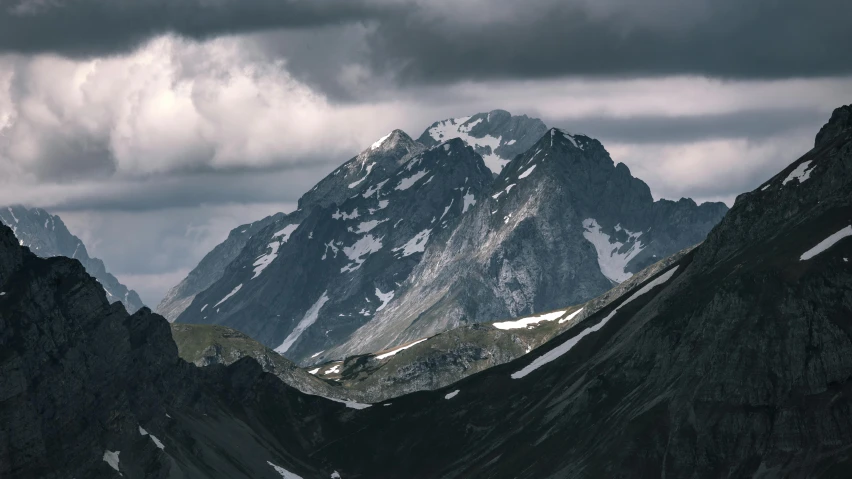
394, 138
497, 136
839, 123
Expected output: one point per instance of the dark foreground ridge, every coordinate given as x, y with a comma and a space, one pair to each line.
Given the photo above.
734, 362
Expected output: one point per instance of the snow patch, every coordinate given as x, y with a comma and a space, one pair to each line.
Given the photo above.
317, 354
368, 226
415, 245
385, 298
452, 394
261, 263
333, 370
447, 209
111, 457
357, 253
469, 200
285, 233
563, 348
374, 189
203, 308
314, 371
407, 183
510, 142
379, 142
801, 173
403, 348
285, 474
527, 173
343, 216
571, 316
228, 296
459, 128
157, 442
610, 260
356, 183
530, 320
827, 243
310, 318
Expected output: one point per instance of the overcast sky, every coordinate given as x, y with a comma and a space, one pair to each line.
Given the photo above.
155, 126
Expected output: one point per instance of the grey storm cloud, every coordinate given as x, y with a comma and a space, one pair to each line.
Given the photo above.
725, 38
97, 27
441, 41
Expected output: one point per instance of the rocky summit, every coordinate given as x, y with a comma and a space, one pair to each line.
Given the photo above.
409, 239
497, 136
734, 360
47, 236
561, 224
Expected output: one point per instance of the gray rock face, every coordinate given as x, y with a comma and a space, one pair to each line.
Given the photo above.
211, 268
87, 390
376, 162
561, 225
47, 236
497, 135
304, 286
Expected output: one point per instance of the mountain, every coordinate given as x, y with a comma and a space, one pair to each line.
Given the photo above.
376, 162
422, 365
211, 268
46, 235
305, 284
735, 361
205, 345
561, 224
497, 135
87, 390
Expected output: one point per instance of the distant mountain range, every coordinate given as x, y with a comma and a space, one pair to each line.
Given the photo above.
733, 360
47, 236
411, 238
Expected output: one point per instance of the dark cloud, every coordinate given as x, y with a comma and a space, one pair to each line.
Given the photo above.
445, 42
95, 27
726, 38
754, 125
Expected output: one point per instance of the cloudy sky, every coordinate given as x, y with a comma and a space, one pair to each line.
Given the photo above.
155, 126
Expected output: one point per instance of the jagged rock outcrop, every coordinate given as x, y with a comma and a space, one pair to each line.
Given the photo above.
46, 235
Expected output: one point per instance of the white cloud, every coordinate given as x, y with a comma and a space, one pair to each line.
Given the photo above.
171, 105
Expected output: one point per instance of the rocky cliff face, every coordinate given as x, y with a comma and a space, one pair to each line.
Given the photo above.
47, 236
304, 286
562, 224
211, 268
87, 390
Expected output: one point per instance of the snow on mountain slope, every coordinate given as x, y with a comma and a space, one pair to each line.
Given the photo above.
561, 225
343, 264
377, 162
497, 135
46, 236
